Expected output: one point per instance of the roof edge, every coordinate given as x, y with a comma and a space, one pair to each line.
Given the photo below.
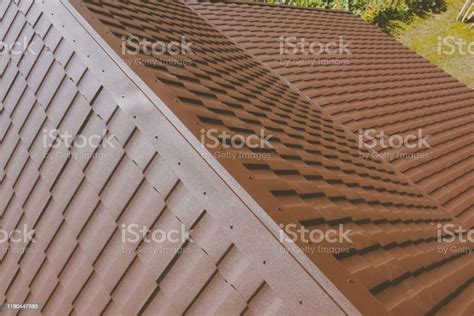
277, 5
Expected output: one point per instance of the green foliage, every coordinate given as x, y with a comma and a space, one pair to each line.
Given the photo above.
381, 14
378, 12
303, 3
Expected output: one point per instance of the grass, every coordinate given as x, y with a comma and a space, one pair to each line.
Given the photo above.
425, 35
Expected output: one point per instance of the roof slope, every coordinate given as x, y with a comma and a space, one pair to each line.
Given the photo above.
380, 85
315, 175
151, 173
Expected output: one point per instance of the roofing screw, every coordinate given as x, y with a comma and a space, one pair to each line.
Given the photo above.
250, 177
134, 116
231, 227
179, 163
204, 193
279, 209
300, 302
350, 281
156, 137
264, 262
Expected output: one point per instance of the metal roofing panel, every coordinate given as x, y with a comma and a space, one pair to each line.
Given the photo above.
381, 85
77, 205
225, 87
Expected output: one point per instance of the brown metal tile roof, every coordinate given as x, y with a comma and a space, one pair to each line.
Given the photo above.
314, 176
76, 198
381, 85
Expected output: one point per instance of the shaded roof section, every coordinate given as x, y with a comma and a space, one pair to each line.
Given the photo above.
379, 84
314, 174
